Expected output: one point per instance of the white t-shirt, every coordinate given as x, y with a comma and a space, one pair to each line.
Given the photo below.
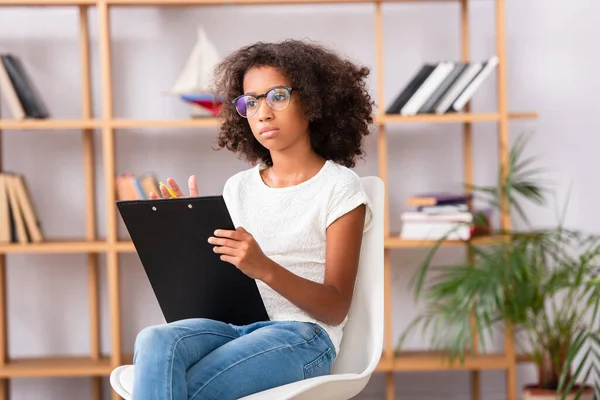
290, 226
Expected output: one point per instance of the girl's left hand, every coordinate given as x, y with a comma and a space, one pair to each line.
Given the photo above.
240, 249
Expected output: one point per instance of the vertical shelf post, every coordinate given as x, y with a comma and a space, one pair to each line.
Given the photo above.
503, 149
108, 151
90, 193
465, 36
388, 347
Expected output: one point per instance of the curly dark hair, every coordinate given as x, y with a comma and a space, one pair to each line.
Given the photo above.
333, 96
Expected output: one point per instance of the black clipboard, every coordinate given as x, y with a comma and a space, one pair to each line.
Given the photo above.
188, 278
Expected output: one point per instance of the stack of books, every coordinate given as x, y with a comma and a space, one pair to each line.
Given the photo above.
437, 216
443, 87
18, 91
131, 187
19, 222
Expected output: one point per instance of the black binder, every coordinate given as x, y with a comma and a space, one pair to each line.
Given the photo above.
187, 276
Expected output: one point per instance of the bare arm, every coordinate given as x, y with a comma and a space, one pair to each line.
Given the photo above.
328, 302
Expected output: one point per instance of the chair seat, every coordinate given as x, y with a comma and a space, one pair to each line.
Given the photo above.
331, 387
121, 379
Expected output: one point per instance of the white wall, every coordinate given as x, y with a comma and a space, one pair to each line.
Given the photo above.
551, 69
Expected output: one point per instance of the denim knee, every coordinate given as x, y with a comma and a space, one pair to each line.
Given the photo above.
151, 339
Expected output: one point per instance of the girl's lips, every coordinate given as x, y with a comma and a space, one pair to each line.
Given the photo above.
269, 133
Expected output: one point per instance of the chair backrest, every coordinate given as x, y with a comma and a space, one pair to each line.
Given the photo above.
362, 343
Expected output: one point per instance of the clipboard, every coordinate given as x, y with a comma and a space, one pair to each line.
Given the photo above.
188, 278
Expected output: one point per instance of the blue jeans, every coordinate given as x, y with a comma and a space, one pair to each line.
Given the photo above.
204, 359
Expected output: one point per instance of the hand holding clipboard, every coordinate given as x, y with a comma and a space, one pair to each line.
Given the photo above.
188, 277
173, 189
236, 247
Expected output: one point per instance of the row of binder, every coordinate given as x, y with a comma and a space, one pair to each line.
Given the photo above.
442, 87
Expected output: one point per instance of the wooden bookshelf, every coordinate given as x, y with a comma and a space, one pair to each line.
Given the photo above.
97, 366
75, 366
396, 242
49, 124
46, 3
65, 246
165, 123
214, 122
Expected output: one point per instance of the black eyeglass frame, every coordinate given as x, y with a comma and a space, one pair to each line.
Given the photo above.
290, 89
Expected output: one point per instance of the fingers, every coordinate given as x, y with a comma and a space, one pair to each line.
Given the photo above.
165, 192
228, 259
225, 250
223, 242
193, 186
235, 235
175, 187
152, 195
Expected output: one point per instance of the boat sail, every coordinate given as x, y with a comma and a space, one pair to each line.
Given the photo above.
193, 83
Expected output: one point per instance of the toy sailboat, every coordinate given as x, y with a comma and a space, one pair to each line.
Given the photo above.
192, 85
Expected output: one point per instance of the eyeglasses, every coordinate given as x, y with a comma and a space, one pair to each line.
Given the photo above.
278, 98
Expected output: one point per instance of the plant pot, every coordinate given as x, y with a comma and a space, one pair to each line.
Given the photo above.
530, 392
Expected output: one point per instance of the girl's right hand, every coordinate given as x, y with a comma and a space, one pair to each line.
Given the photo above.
193, 188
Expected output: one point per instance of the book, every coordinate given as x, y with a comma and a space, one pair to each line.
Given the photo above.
9, 94
442, 89
131, 187
19, 222
426, 89
27, 93
408, 91
440, 198
475, 84
457, 88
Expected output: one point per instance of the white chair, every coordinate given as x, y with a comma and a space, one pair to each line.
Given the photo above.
362, 343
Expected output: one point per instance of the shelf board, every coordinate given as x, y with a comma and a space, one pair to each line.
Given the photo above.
394, 241
49, 124
437, 119
255, 2
59, 3
56, 367
523, 115
19, 3
436, 361
125, 246
385, 364
125, 123
449, 118
165, 123
81, 366
62, 246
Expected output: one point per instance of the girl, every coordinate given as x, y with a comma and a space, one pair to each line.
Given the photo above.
299, 113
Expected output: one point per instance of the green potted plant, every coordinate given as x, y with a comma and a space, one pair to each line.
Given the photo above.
542, 282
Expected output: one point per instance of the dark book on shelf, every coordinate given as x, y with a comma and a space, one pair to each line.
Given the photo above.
27, 93
437, 95
410, 89
426, 89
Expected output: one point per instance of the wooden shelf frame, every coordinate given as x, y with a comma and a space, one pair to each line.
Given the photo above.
178, 3
98, 366
132, 123
392, 362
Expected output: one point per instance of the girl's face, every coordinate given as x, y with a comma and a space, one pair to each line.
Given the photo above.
276, 119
